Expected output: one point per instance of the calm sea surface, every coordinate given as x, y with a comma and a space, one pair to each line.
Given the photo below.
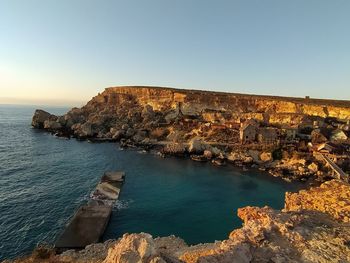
43, 180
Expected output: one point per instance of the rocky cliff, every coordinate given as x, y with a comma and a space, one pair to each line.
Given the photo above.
206, 125
133, 112
195, 102
313, 227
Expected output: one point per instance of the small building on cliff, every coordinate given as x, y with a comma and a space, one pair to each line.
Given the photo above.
267, 135
289, 133
248, 131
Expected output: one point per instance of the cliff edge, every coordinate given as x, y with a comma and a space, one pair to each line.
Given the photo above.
270, 132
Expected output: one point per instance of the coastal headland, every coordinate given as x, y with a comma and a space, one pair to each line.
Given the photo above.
300, 139
292, 138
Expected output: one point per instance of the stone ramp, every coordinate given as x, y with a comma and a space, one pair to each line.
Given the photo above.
338, 173
336, 169
86, 227
90, 221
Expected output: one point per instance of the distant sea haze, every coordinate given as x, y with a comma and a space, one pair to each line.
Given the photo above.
44, 179
62, 103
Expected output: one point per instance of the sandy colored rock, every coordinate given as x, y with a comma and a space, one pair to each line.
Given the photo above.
266, 156
40, 116
332, 197
313, 167
132, 248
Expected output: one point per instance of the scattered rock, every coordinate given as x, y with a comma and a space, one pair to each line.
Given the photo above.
266, 157
313, 167
132, 248
40, 116
219, 162
197, 145
52, 125
208, 154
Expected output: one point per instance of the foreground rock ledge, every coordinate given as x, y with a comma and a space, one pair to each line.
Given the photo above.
312, 227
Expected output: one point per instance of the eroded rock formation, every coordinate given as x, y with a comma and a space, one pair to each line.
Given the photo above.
210, 126
302, 232
127, 111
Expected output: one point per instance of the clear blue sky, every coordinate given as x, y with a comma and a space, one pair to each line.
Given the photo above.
69, 50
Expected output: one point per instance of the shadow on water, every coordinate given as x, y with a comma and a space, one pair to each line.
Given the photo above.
248, 186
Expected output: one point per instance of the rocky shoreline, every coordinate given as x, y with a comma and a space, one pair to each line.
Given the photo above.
314, 226
286, 137
275, 134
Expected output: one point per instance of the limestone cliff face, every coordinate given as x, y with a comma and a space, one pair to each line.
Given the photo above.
135, 112
302, 232
223, 107
197, 101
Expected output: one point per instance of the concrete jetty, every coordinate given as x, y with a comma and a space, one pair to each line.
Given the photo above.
90, 221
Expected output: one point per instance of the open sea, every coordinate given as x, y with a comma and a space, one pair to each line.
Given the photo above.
44, 179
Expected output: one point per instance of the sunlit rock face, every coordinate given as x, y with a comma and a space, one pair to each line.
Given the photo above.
302, 232
196, 101
125, 110
332, 197
40, 117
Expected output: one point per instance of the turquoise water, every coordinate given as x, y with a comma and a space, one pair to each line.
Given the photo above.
43, 179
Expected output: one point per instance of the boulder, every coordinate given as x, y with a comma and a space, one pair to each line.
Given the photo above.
132, 248
139, 136
208, 154
129, 132
40, 116
338, 136
52, 125
318, 137
118, 134
240, 157
255, 155
113, 130
247, 159
86, 130
219, 162
174, 149
266, 156
215, 151
197, 145
313, 167
234, 156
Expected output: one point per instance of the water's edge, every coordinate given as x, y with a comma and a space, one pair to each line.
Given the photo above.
43, 179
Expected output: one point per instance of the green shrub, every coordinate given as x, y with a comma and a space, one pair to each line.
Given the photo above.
277, 154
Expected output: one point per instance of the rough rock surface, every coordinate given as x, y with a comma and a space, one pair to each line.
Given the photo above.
302, 232
191, 122
332, 197
152, 107
40, 117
